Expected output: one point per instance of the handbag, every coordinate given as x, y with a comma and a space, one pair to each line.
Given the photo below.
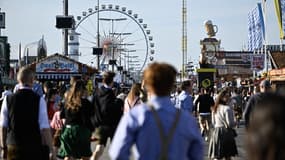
232, 131
229, 129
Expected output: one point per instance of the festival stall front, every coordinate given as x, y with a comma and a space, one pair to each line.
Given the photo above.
277, 78
277, 74
59, 67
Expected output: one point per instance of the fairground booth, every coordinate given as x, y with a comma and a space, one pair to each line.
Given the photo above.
58, 67
277, 74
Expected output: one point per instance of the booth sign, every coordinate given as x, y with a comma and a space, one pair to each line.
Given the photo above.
57, 65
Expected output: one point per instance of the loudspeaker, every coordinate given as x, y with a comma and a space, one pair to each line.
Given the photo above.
64, 22
120, 68
112, 62
97, 51
2, 20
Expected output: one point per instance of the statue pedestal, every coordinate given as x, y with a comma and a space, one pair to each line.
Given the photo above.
209, 47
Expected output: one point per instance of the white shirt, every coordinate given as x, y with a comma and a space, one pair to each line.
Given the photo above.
43, 118
185, 101
223, 115
5, 93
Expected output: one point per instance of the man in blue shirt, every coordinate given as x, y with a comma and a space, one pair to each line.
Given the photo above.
185, 101
148, 126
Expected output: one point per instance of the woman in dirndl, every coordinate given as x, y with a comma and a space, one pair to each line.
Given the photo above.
222, 143
76, 134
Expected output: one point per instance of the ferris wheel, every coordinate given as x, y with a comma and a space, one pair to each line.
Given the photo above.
125, 38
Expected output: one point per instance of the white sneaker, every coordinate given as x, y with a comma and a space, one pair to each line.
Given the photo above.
206, 138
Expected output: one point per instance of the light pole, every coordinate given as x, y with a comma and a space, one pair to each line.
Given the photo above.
113, 61
126, 61
127, 58
130, 59
98, 35
120, 37
134, 70
26, 51
65, 31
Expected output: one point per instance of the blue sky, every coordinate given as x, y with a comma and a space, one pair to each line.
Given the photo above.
28, 20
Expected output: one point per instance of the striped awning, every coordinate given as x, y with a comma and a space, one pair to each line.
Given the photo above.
55, 76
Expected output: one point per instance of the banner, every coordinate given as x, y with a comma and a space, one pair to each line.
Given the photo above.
256, 29
280, 10
206, 77
257, 62
58, 64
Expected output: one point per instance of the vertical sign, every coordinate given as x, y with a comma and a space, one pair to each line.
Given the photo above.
257, 62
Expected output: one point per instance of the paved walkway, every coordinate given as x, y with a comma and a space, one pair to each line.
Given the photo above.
240, 141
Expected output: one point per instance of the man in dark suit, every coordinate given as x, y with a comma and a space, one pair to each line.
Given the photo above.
264, 87
24, 127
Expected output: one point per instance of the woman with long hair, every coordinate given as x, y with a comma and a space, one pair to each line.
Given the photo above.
222, 143
133, 97
75, 138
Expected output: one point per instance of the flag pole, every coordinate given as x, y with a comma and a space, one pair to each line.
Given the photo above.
265, 34
281, 44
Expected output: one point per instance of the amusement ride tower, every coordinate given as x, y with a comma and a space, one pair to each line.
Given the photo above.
184, 37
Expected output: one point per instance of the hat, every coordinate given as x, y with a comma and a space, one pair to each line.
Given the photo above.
265, 83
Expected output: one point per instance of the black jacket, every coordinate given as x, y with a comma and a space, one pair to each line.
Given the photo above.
108, 108
253, 100
205, 102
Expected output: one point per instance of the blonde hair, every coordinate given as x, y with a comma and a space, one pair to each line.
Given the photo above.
134, 92
26, 76
74, 95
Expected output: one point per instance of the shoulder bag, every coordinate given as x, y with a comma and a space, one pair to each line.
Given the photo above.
229, 129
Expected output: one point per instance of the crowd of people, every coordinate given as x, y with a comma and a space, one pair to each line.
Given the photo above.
155, 119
